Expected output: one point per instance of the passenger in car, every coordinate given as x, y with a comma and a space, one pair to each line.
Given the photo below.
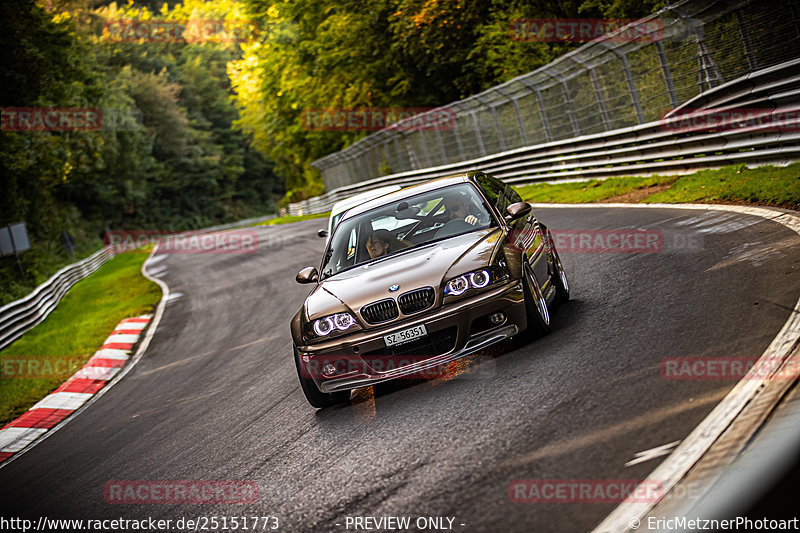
381, 242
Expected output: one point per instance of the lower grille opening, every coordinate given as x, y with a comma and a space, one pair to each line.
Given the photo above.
480, 325
391, 357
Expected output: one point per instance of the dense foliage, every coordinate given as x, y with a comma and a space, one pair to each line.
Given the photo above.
166, 158
317, 54
199, 132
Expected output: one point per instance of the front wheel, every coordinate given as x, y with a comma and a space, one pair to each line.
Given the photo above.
537, 313
559, 276
314, 396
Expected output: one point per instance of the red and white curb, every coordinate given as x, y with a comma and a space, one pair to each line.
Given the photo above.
76, 391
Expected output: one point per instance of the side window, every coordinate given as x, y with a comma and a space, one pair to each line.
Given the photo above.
500, 194
510, 195
491, 190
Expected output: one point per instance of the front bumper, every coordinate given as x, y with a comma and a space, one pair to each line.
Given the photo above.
460, 318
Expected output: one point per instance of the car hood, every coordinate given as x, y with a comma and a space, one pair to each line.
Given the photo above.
429, 265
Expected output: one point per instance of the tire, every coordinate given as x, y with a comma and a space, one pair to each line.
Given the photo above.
559, 276
315, 397
536, 311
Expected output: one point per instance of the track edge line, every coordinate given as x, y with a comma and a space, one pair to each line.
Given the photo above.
143, 344
708, 431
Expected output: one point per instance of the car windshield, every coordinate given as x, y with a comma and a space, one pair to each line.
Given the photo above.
405, 224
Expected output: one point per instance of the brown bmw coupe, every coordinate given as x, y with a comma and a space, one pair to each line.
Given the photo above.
421, 277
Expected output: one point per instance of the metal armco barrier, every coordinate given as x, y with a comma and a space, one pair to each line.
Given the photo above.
18, 317
597, 111
639, 150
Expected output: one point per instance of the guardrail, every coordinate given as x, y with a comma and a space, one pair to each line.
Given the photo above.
18, 317
611, 84
21, 315
655, 147
597, 111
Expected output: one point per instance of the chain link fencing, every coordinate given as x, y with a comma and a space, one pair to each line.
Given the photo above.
690, 48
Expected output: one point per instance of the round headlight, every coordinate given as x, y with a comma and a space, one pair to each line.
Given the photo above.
457, 286
343, 320
479, 279
323, 326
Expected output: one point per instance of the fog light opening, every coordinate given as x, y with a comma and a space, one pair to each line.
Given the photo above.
328, 370
495, 319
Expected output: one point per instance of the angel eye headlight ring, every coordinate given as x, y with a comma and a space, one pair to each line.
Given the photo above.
328, 324
457, 285
343, 321
479, 279
323, 326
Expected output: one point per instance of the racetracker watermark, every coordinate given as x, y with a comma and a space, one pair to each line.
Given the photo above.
180, 31
335, 366
377, 118
585, 30
225, 242
180, 492
782, 119
31, 367
50, 119
194, 523
739, 523
728, 368
608, 241
585, 490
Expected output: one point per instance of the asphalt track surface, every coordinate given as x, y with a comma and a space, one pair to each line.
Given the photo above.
216, 395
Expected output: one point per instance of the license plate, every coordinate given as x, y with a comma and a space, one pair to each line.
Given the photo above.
404, 336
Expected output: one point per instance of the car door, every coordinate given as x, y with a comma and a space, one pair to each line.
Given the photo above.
524, 234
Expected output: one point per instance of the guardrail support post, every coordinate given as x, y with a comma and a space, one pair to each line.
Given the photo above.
441, 144
522, 133
632, 88
752, 62
478, 132
570, 112
398, 154
708, 71
662, 58
413, 160
493, 111
460, 144
500, 137
523, 137
543, 113
425, 147
601, 103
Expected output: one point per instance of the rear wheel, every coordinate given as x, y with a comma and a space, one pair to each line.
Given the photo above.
314, 396
538, 315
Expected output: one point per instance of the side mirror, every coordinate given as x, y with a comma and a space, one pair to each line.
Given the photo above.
307, 275
517, 210
322, 233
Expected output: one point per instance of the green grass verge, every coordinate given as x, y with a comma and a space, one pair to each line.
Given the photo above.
778, 186
77, 328
292, 218
581, 192
767, 185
